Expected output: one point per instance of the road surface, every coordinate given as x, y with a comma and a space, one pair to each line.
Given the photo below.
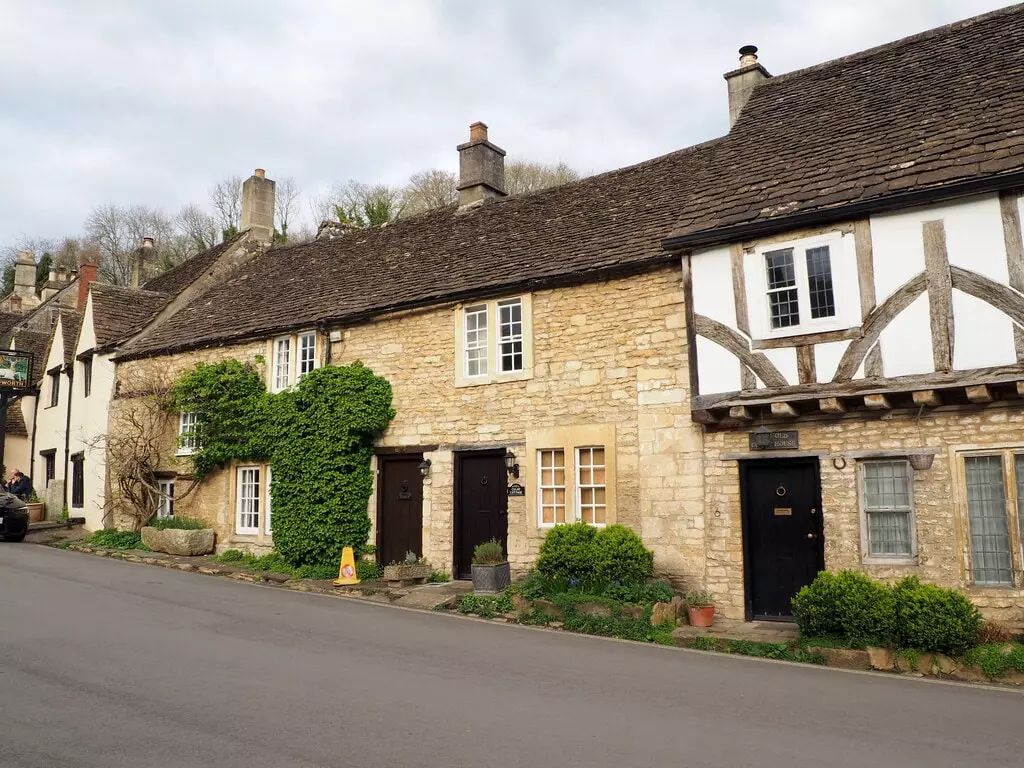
106, 663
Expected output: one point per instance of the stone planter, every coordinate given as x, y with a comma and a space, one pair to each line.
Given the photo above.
491, 579
175, 541
404, 575
701, 615
36, 511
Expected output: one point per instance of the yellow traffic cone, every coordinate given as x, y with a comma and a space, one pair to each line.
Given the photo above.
347, 572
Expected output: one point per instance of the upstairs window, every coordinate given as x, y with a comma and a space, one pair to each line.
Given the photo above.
188, 433
801, 287
494, 341
87, 375
307, 353
282, 363
291, 358
53, 376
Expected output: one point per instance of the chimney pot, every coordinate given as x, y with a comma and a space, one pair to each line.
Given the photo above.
62, 274
748, 55
53, 275
147, 242
743, 81
481, 168
260, 173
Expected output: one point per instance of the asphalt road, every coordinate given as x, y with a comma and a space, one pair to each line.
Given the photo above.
105, 663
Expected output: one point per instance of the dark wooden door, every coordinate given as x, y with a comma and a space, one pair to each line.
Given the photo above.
481, 505
782, 533
399, 507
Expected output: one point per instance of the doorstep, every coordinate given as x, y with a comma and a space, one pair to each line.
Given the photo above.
734, 629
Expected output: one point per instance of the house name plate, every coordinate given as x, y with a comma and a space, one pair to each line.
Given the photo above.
780, 440
516, 490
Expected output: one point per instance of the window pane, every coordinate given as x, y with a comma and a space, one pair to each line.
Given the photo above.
307, 353
510, 326
887, 507
782, 293
282, 363
248, 499
591, 485
781, 272
819, 282
986, 512
552, 486
476, 341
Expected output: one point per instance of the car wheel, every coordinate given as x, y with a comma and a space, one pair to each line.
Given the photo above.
14, 537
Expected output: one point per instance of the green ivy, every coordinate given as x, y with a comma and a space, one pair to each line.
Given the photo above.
318, 437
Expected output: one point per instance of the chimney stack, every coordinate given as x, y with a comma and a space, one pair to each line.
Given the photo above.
87, 275
258, 206
743, 81
53, 275
481, 168
25, 277
62, 274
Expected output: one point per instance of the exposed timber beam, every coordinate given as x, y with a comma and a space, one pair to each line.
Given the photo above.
784, 409
877, 402
928, 398
980, 393
741, 412
832, 405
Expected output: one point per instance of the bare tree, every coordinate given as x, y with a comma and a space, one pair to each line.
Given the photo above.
358, 204
286, 197
118, 230
523, 176
430, 189
141, 435
226, 196
198, 226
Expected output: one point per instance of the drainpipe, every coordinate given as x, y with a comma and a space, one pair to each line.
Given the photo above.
67, 434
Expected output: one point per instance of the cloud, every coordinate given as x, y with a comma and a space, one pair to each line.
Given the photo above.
147, 102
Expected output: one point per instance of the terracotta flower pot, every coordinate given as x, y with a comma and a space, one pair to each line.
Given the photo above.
36, 511
701, 615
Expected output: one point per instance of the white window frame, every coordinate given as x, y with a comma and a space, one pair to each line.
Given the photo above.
845, 290
267, 509
581, 486
187, 445
510, 337
240, 500
865, 543
492, 341
281, 369
165, 497
478, 311
541, 487
305, 342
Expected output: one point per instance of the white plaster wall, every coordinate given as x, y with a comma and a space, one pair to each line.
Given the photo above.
983, 336
826, 359
718, 370
907, 342
785, 360
712, 285
51, 422
89, 416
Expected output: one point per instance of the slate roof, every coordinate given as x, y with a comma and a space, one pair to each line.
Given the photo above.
15, 425
38, 344
940, 108
175, 280
70, 324
7, 322
935, 109
119, 311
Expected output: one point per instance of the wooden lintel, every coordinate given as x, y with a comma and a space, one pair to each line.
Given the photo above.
877, 402
1020, 388
784, 409
703, 417
741, 412
927, 397
832, 405
979, 393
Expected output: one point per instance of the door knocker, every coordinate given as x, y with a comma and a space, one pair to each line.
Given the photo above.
780, 491
483, 480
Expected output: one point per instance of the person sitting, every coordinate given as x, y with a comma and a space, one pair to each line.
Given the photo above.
20, 485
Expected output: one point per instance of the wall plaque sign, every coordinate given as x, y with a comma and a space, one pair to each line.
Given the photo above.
15, 369
768, 440
516, 490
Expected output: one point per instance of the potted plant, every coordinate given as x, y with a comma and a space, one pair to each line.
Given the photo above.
415, 570
490, 568
35, 508
700, 607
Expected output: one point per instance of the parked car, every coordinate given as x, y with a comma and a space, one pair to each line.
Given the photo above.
13, 517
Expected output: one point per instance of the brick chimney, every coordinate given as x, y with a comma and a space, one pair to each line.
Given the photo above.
87, 275
481, 168
258, 206
743, 81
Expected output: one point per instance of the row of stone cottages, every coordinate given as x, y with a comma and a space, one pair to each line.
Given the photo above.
793, 347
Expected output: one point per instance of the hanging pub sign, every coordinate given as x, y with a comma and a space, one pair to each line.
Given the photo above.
516, 490
774, 440
15, 369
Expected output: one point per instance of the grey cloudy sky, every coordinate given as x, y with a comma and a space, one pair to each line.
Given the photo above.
147, 101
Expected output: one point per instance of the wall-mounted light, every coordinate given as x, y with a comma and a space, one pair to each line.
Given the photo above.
510, 465
425, 467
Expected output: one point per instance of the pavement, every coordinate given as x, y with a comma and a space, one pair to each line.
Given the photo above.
109, 663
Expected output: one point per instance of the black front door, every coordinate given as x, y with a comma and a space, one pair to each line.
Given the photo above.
481, 504
782, 533
399, 507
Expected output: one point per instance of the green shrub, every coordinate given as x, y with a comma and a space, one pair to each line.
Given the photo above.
486, 606
846, 605
439, 577
321, 572
567, 552
231, 556
488, 553
996, 659
116, 539
937, 619
365, 571
183, 523
620, 556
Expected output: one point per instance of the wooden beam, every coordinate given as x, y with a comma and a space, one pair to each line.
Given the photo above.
1014, 240
873, 363
805, 364
703, 417
832, 405
940, 293
877, 402
865, 266
979, 393
927, 397
784, 409
732, 341
741, 412
739, 289
691, 325
1020, 388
